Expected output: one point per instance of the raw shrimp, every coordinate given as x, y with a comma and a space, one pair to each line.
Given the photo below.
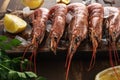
95, 20
77, 30
38, 18
58, 18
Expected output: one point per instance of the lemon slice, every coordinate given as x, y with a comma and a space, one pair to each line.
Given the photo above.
33, 4
109, 74
63, 1
14, 24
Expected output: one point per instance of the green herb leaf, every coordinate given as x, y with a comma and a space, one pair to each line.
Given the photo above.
3, 38
21, 75
12, 75
4, 67
7, 46
16, 60
15, 42
9, 68
31, 74
6, 63
41, 78
3, 74
24, 64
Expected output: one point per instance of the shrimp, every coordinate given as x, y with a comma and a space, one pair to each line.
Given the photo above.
95, 20
112, 16
77, 30
38, 18
58, 18
113, 27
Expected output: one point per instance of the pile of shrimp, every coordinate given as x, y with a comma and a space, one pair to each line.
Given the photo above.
82, 22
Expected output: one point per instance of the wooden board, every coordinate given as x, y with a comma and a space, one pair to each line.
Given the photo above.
4, 5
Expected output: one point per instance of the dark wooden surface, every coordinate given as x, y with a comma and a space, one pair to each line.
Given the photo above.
52, 66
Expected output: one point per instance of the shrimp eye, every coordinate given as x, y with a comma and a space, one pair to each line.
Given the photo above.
114, 33
55, 38
77, 39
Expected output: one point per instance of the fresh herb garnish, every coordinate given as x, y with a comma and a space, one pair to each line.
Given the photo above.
10, 68
7, 44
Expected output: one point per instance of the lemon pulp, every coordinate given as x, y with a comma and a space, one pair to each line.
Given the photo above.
33, 4
14, 24
109, 74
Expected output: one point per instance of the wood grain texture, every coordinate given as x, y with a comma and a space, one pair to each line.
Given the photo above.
15, 5
4, 5
1, 2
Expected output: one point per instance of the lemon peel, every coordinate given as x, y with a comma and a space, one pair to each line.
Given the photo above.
63, 1
109, 74
14, 24
33, 4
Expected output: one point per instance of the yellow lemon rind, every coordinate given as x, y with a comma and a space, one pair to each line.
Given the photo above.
14, 24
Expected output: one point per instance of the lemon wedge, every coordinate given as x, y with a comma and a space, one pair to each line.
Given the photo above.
63, 1
33, 4
109, 74
14, 24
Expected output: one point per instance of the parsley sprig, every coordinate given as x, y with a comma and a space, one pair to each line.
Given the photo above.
10, 68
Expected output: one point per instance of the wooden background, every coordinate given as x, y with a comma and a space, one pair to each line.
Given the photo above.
52, 66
